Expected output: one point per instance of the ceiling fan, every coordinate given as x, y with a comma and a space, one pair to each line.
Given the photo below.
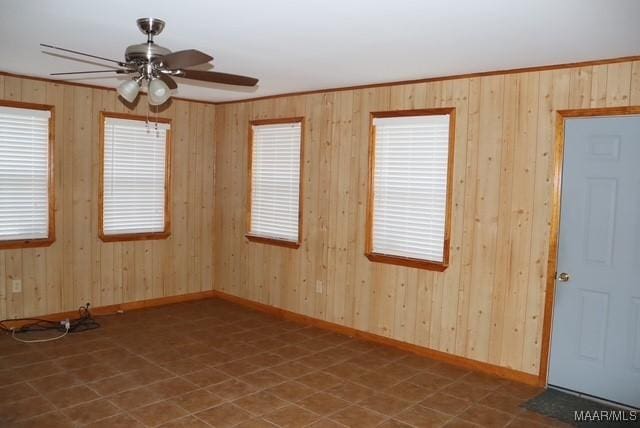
157, 66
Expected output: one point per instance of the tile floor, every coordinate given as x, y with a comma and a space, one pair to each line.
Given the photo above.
213, 363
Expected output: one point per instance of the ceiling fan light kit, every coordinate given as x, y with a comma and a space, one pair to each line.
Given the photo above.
156, 66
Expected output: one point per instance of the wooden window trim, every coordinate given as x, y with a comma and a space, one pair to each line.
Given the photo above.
399, 260
51, 234
167, 182
264, 239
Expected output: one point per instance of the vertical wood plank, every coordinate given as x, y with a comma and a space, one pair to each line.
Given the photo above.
503, 263
469, 220
486, 216
521, 222
618, 84
55, 254
634, 97
81, 158
599, 86
580, 90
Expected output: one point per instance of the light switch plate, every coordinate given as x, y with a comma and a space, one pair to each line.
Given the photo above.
16, 286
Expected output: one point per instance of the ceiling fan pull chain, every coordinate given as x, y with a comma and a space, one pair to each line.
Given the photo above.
157, 131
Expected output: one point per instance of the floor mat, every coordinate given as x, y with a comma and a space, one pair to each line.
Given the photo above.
580, 411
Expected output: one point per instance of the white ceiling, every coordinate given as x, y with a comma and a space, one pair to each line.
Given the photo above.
305, 45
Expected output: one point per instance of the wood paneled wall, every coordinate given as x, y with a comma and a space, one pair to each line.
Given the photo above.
79, 267
488, 305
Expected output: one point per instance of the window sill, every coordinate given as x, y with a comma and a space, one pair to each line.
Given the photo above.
407, 261
134, 237
26, 243
272, 241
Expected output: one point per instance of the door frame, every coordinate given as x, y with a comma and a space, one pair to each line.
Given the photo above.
554, 241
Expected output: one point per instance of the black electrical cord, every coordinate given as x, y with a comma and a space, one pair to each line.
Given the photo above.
84, 322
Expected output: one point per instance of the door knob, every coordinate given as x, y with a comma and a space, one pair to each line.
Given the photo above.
563, 277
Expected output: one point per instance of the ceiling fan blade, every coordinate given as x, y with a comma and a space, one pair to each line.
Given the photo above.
214, 76
186, 58
168, 80
122, 64
123, 71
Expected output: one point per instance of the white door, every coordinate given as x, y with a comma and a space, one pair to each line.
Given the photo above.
596, 327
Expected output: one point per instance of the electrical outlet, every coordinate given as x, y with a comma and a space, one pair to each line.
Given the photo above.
318, 286
16, 285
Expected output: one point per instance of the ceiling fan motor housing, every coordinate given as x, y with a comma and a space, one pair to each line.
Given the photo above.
145, 52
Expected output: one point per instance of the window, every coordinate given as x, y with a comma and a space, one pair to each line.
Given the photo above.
275, 151
410, 188
26, 176
134, 202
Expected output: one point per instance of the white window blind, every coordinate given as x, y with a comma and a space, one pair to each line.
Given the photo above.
275, 181
410, 186
134, 176
24, 174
